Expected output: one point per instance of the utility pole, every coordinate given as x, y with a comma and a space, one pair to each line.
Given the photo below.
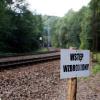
49, 42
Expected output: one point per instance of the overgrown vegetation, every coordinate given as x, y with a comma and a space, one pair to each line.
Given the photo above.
80, 29
21, 29
96, 61
96, 68
96, 57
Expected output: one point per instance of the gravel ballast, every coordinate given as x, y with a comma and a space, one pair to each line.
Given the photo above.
42, 82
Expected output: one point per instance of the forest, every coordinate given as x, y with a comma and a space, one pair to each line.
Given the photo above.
24, 31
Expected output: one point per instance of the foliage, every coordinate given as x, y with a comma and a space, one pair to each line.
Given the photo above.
20, 29
96, 57
96, 68
67, 30
85, 35
73, 26
95, 23
74, 29
80, 29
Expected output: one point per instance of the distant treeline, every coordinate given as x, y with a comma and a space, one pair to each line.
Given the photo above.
79, 29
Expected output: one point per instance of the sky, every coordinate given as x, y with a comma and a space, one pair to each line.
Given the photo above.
56, 7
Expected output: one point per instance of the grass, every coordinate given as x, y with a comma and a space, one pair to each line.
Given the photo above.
96, 68
9, 53
42, 50
96, 57
6, 54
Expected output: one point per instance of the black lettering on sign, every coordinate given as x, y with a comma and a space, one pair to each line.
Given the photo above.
76, 56
65, 68
80, 67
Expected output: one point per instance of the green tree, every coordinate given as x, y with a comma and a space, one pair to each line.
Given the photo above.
95, 23
20, 29
25, 32
73, 26
4, 25
85, 35
69, 30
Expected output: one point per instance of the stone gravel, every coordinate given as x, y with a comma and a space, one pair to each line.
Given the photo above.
42, 82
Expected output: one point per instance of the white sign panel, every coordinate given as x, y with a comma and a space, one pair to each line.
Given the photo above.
74, 63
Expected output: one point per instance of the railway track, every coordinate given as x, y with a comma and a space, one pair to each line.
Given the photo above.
26, 54
28, 59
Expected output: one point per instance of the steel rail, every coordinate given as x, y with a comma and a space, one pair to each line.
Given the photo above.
25, 54
30, 60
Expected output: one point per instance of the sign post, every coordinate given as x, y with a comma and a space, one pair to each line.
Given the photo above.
74, 63
72, 89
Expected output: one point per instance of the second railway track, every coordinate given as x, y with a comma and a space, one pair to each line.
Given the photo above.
28, 59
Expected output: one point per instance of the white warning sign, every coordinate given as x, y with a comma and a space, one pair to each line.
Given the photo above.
74, 63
